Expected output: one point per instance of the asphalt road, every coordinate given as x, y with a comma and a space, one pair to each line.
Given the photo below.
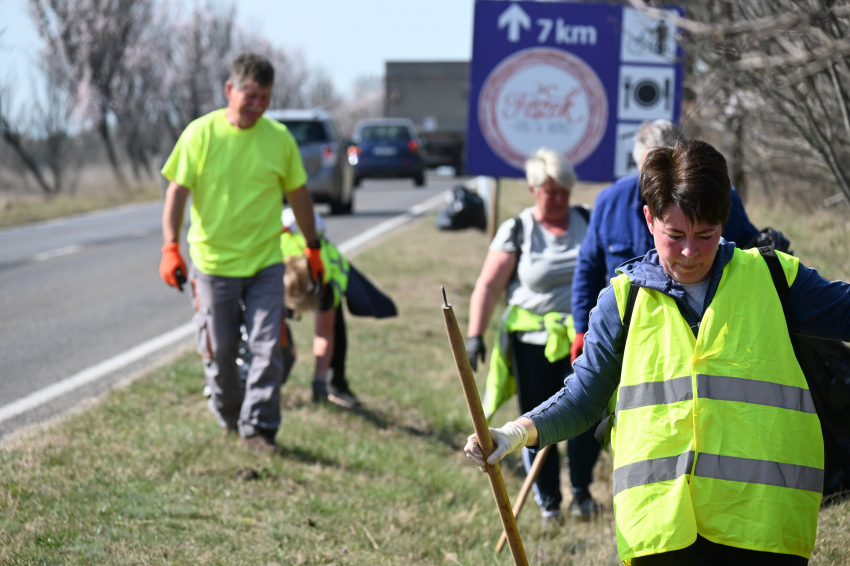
80, 290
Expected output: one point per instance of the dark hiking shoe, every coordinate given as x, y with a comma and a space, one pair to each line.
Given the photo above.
320, 391
342, 397
583, 506
552, 516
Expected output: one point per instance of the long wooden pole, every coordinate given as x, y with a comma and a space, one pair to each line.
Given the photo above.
479, 423
493, 209
523, 492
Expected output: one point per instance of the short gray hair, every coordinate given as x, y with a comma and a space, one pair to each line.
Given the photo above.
251, 66
549, 164
652, 134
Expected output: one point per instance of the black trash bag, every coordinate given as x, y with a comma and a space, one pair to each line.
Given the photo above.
826, 365
774, 239
464, 210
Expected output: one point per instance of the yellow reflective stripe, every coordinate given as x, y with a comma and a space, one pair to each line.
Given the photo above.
763, 472
721, 388
652, 471
655, 393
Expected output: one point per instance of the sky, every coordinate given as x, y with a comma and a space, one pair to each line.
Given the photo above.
347, 38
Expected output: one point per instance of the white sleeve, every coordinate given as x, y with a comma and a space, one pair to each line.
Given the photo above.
504, 241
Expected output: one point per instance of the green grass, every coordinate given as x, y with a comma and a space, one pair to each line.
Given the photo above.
145, 477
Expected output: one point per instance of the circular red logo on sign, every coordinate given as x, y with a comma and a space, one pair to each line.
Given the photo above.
543, 97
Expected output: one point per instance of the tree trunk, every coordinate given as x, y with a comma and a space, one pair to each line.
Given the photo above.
103, 130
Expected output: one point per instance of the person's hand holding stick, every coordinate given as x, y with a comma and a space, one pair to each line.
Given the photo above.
479, 422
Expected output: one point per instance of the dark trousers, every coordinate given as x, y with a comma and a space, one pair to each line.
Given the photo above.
537, 380
340, 348
706, 553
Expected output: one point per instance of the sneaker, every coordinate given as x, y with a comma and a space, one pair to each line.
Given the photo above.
262, 442
320, 391
583, 506
342, 397
552, 516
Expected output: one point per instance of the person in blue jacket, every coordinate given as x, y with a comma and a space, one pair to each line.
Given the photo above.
618, 232
688, 264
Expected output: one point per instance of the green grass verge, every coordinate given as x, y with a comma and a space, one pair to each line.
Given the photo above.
145, 477
21, 210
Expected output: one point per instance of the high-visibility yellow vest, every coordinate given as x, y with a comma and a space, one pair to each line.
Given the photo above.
717, 434
501, 384
337, 268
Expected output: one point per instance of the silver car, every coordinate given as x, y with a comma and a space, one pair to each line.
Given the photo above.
329, 175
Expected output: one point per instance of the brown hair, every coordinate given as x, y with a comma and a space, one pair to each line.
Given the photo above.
296, 282
691, 175
251, 66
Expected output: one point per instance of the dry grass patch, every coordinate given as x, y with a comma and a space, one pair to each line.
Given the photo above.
145, 477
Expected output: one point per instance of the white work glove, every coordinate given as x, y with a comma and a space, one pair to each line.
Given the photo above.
505, 440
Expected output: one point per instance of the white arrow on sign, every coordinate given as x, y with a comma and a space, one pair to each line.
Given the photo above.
514, 18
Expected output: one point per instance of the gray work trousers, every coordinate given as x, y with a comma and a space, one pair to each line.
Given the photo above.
220, 302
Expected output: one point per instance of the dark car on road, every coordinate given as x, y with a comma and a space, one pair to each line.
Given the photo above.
329, 176
386, 147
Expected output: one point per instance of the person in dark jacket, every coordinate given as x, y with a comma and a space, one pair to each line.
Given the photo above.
618, 233
717, 449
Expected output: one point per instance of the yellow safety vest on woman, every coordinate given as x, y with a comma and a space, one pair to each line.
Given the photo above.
501, 383
717, 434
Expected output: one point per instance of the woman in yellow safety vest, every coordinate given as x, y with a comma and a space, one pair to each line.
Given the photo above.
533, 257
717, 448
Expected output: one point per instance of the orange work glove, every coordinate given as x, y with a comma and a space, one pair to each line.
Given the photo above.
577, 347
317, 268
172, 268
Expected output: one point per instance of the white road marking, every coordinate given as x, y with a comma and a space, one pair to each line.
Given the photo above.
391, 224
97, 371
57, 252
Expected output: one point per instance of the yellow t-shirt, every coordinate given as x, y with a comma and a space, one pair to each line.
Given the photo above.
237, 178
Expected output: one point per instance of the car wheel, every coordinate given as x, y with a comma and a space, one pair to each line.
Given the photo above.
356, 182
338, 206
419, 180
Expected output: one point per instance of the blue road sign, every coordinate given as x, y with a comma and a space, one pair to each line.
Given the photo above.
577, 78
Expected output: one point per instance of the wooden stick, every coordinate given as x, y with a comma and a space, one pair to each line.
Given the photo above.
479, 422
523, 492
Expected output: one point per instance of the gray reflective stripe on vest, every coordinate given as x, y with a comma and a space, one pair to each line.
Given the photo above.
755, 392
654, 393
762, 472
651, 471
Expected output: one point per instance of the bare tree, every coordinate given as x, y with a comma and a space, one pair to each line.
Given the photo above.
198, 64
367, 101
776, 75
13, 135
92, 38
53, 123
320, 91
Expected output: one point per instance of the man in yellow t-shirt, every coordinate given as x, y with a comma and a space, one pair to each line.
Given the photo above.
237, 166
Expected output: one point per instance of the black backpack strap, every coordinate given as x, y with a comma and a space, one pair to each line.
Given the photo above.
583, 210
630, 307
603, 431
517, 237
778, 275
